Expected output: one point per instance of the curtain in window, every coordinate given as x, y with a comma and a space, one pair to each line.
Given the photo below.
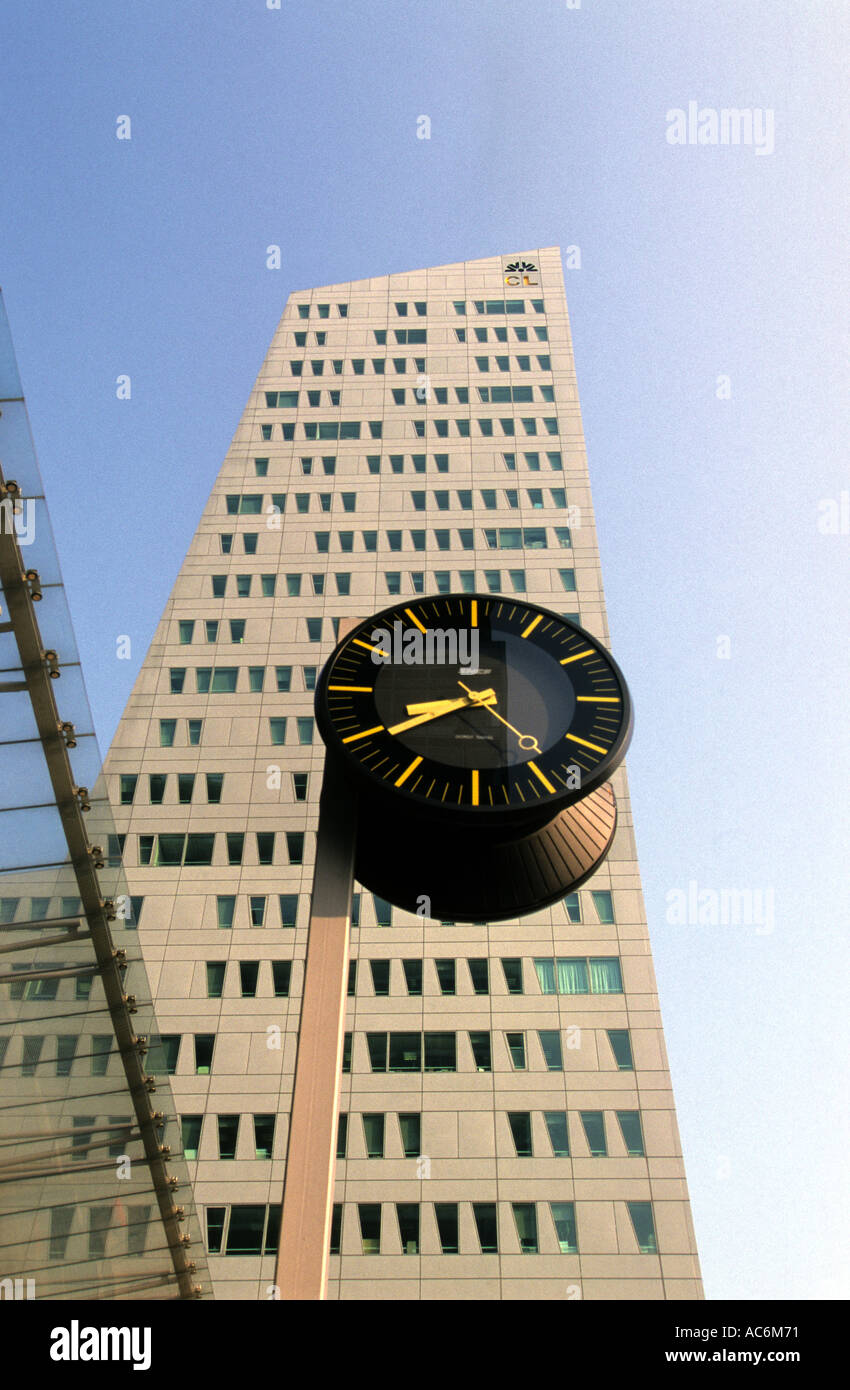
605, 976
572, 976
546, 976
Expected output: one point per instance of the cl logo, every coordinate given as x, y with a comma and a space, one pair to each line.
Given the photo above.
521, 273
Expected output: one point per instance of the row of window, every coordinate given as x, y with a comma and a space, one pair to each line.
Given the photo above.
393, 1052
401, 366
350, 429
499, 331
521, 1125
112, 1229
228, 1135
402, 1051
531, 459
304, 726
251, 504
379, 1138
323, 310
425, 392
254, 1230
185, 784
418, 463
495, 538
574, 904
573, 972
198, 848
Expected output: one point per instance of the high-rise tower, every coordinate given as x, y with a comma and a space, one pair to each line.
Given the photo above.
507, 1128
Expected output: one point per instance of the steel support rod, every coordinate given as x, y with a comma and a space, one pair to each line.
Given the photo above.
303, 1253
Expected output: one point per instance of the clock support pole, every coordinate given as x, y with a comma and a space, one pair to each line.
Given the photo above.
303, 1253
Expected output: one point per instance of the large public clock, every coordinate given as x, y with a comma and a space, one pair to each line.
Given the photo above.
476, 733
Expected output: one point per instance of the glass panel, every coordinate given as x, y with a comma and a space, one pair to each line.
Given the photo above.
564, 1217
556, 1125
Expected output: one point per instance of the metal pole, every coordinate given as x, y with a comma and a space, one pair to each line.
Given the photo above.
302, 1261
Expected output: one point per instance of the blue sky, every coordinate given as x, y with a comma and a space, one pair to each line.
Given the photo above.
297, 127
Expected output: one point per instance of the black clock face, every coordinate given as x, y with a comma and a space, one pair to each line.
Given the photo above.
475, 703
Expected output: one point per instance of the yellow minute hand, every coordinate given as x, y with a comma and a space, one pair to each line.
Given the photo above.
527, 742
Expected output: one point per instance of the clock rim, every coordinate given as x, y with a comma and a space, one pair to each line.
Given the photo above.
459, 813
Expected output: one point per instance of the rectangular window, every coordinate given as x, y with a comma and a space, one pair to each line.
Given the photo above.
446, 976
215, 978
525, 1216
593, 1122
516, 1047
413, 976
480, 975
380, 970
249, 971
228, 1134
204, 1044
512, 969
281, 978
191, 1135
277, 730
295, 846
622, 1048
604, 905
550, 1043
564, 1218
341, 1134
288, 909
127, 783
447, 1226
630, 1126
640, 1214
440, 1052
373, 1131
369, 1214
572, 907
556, 1127
194, 731
486, 1226
264, 1126
226, 907
235, 845
520, 1123
265, 846
405, 1052
410, 1126
482, 1052
408, 1226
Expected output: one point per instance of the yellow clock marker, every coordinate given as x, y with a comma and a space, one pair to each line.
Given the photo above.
539, 775
599, 699
354, 689
574, 738
356, 642
413, 618
378, 729
475, 786
407, 771
532, 625
473, 615
576, 657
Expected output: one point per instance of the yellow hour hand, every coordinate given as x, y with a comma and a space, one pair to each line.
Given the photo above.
435, 709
